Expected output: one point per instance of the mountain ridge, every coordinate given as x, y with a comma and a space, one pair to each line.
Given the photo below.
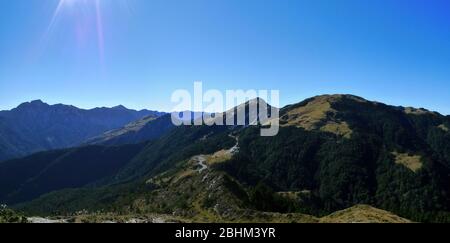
392, 160
39, 102
37, 126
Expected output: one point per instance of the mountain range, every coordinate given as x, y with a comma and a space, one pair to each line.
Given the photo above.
36, 126
333, 152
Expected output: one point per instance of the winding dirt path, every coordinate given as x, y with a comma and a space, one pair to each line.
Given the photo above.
201, 159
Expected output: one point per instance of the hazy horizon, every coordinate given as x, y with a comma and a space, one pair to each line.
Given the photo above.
167, 111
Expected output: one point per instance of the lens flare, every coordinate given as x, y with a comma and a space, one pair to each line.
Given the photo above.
82, 12
55, 16
99, 24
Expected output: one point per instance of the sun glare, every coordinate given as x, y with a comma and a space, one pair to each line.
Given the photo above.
85, 19
94, 5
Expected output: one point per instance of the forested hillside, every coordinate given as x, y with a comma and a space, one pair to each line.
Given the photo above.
332, 153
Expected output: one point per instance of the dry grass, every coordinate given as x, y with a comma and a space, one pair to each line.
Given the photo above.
311, 114
412, 162
182, 174
117, 218
290, 195
341, 129
211, 159
131, 127
415, 111
443, 127
363, 214
316, 115
219, 157
356, 214
294, 195
266, 217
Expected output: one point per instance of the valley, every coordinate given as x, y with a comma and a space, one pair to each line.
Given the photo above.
211, 112
389, 165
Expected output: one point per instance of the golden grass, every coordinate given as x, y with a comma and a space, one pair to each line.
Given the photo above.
311, 114
131, 127
189, 170
219, 157
356, 214
266, 217
315, 115
412, 162
443, 127
363, 214
182, 175
415, 111
341, 129
290, 195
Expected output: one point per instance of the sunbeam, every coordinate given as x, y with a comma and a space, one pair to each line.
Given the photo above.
100, 37
86, 16
55, 16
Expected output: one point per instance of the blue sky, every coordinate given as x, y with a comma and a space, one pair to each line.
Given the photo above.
393, 51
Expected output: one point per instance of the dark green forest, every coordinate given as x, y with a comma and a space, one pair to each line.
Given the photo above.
321, 171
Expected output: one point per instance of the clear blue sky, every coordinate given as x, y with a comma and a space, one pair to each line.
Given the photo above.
394, 51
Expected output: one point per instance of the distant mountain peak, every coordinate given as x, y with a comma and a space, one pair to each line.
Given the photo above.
318, 113
255, 101
37, 102
119, 107
32, 104
330, 113
36, 126
338, 97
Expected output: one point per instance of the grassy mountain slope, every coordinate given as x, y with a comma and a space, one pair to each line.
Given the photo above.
145, 129
363, 214
341, 170
332, 153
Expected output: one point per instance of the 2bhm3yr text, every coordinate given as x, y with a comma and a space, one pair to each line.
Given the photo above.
226, 233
